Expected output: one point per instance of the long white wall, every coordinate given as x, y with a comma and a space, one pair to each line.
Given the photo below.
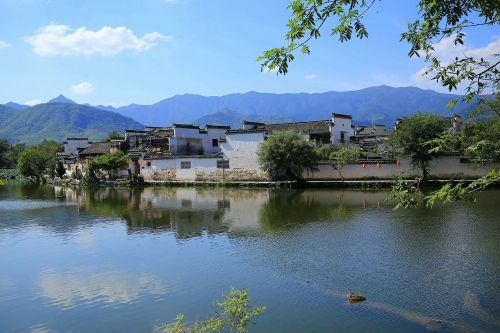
445, 167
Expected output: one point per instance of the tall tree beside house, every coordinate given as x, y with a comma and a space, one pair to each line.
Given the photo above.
436, 20
285, 155
412, 135
39, 160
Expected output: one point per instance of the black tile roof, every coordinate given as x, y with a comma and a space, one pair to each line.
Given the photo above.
97, 148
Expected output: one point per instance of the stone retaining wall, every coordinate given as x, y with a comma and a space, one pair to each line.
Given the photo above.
230, 175
160, 175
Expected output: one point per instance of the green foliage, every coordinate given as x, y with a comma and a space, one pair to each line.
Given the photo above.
449, 192
481, 140
57, 121
39, 160
2, 183
286, 155
233, 314
32, 163
412, 137
109, 162
404, 194
106, 162
113, 135
14, 152
340, 157
437, 19
4, 148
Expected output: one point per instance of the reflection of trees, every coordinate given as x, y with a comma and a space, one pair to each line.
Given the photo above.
293, 207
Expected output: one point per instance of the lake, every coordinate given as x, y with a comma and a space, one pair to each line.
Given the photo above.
120, 260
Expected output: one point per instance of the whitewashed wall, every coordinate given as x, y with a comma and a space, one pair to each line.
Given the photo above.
341, 125
241, 149
446, 167
159, 168
213, 133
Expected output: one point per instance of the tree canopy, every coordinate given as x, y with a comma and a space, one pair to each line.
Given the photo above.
38, 160
413, 134
286, 155
437, 19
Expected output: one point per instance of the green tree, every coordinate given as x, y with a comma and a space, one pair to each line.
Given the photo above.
114, 135
4, 149
233, 314
286, 155
413, 134
38, 160
32, 163
107, 162
340, 157
14, 152
437, 19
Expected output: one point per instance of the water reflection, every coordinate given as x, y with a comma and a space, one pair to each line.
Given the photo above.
190, 212
115, 254
66, 289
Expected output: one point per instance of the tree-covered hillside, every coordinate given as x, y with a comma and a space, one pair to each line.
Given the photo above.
56, 121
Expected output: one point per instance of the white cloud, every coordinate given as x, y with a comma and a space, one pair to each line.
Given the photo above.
82, 88
4, 45
54, 40
446, 51
310, 76
33, 102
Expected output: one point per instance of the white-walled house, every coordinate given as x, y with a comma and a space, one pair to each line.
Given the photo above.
214, 135
237, 161
342, 128
240, 148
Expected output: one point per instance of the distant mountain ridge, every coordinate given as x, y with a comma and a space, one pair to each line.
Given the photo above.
380, 104
56, 121
61, 116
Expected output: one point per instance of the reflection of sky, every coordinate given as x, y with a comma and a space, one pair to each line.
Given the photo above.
83, 285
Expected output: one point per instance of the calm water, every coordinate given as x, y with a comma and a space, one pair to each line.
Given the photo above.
128, 261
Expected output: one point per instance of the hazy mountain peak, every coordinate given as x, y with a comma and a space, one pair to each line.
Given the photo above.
61, 99
16, 106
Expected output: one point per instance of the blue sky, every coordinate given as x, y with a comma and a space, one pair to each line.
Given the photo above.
141, 51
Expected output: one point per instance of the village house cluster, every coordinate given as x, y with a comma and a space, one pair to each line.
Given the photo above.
214, 152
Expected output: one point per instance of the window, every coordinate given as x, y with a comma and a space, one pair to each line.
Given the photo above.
148, 163
185, 164
222, 164
215, 142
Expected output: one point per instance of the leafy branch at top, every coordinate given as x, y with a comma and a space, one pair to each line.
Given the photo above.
438, 19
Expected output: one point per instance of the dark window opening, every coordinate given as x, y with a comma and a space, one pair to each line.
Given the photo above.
215, 142
185, 164
222, 164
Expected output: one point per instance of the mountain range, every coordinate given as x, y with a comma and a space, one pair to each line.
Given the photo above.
61, 116
56, 121
380, 104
